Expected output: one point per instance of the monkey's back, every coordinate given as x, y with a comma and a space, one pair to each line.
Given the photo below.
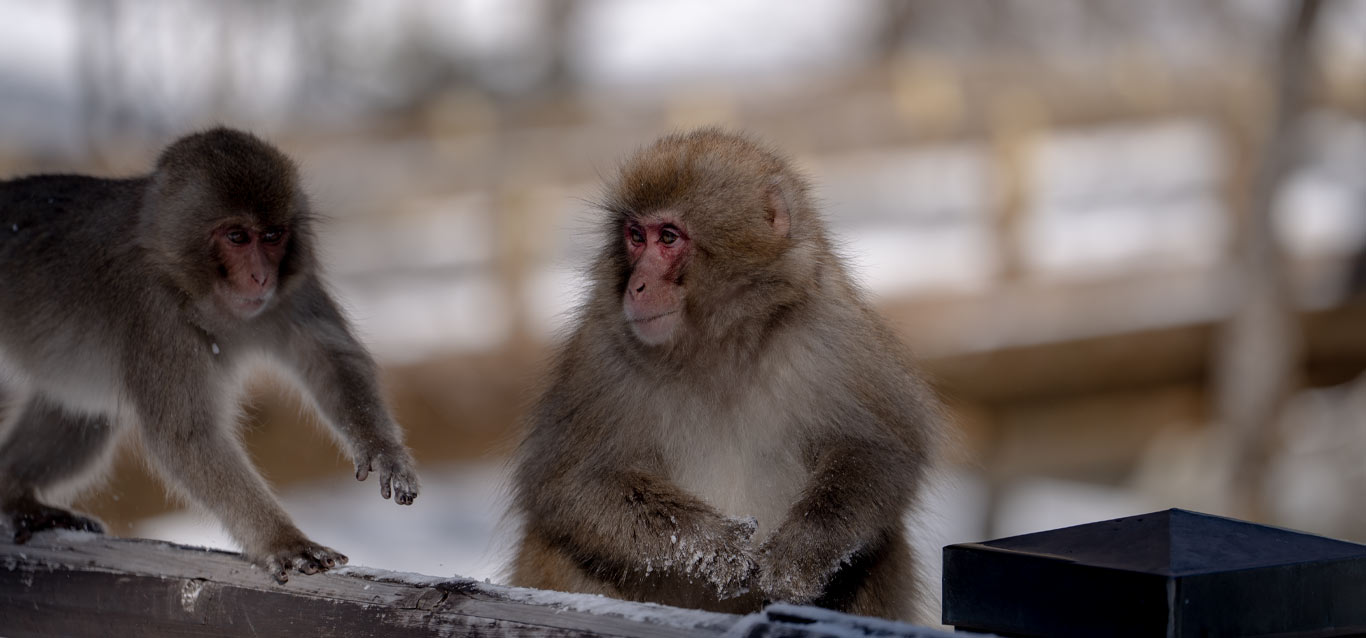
67, 254
46, 217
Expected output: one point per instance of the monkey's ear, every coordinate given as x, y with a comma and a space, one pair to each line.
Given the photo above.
776, 208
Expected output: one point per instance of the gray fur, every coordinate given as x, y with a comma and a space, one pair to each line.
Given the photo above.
107, 323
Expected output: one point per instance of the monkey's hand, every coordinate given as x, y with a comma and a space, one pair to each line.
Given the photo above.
301, 555
396, 474
795, 565
724, 557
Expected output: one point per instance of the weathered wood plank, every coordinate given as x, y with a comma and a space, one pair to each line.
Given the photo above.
79, 584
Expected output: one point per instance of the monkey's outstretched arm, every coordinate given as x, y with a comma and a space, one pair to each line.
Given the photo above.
342, 380
185, 433
625, 523
843, 510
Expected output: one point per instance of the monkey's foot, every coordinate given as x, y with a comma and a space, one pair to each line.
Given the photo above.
27, 516
303, 556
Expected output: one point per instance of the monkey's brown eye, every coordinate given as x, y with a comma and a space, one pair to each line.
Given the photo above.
238, 237
637, 236
273, 236
667, 236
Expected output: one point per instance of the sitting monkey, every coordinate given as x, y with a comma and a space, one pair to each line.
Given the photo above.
729, 423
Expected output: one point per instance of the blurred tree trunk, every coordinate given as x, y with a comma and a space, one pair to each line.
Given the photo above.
97, 72
1258, 355
558, 24
894, 20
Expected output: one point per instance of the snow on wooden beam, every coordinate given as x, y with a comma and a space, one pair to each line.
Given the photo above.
80, 584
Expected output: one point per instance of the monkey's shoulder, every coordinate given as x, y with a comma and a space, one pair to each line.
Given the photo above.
846, 333
854, 355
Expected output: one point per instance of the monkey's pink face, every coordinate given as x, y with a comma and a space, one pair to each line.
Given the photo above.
249, 267
658, 249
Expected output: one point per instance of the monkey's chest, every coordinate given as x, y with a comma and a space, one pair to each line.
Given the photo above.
742, 466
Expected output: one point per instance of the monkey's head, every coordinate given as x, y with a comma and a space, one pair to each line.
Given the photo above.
711, 235
227, 221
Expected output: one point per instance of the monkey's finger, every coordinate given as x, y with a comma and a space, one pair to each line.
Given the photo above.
306, 565
386, 484
277, 571
327, 558
362, 471
405, 486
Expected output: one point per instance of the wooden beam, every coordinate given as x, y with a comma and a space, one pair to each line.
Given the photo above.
81, 584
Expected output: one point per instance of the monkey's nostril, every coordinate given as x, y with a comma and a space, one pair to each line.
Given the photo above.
640, 288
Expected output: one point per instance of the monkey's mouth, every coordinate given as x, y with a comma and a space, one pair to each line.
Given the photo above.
243, 306
654, 329
647, 320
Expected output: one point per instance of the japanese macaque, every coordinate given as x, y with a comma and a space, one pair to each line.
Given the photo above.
139, 303
729, 424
